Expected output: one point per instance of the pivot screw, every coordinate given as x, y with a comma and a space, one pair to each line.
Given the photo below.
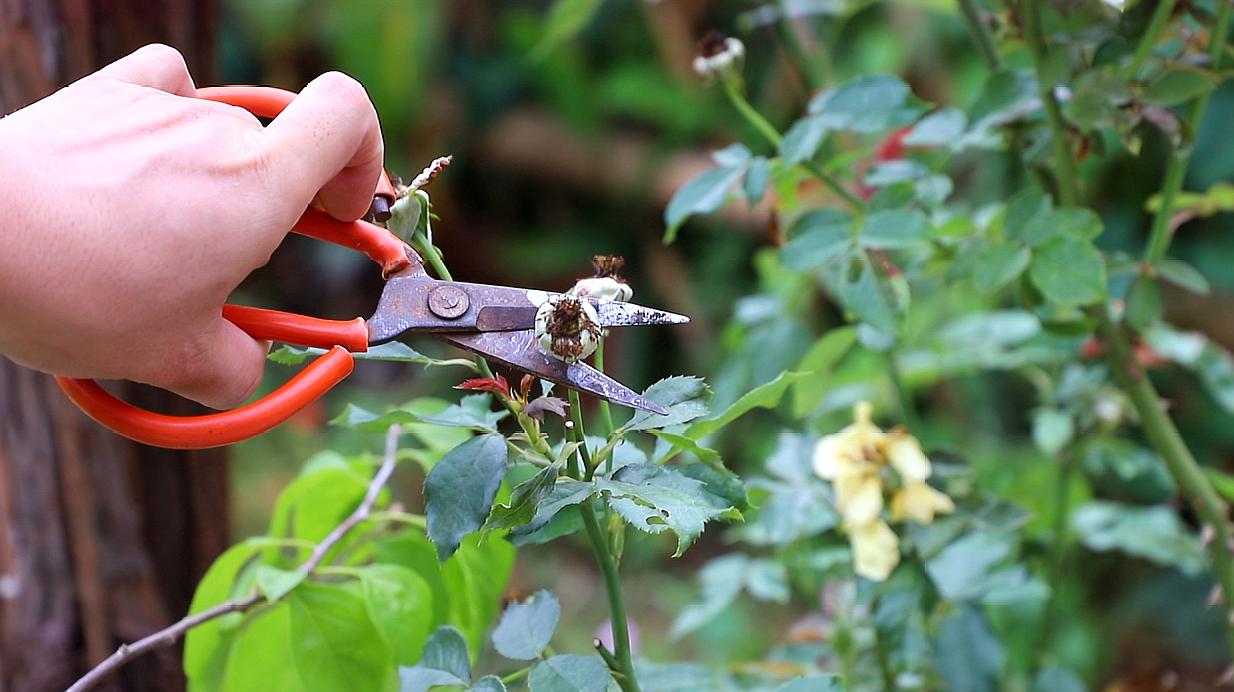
448, 302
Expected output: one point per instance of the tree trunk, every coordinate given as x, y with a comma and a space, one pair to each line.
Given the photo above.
101, 539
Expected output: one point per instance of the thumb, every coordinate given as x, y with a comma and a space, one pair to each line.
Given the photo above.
220, 367
328, 140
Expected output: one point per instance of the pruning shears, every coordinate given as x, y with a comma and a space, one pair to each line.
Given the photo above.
496, 322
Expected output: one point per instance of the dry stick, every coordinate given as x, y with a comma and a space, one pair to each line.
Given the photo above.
169, 635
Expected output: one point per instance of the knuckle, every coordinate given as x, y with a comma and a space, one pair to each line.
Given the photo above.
346, 89
165, 56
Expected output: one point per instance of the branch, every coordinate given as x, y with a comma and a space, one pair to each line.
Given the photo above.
169, 635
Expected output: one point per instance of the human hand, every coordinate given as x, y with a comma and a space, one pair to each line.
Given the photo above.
132, 210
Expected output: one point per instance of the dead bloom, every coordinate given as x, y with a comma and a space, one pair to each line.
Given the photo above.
853, 460
567, 327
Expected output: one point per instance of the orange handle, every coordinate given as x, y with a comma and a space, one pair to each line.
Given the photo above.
214, 429
228, 427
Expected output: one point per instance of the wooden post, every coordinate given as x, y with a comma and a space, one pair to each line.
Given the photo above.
101, 540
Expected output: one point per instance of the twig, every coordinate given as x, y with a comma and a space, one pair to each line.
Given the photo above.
169, 635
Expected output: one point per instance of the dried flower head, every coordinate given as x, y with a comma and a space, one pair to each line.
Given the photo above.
568, 327
607, 283
718, 55
608, 266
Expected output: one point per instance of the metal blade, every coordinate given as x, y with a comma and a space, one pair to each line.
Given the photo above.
518, 349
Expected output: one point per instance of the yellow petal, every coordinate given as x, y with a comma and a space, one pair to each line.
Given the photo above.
905, 456
833, 457
919, 502
859, 497
876, 549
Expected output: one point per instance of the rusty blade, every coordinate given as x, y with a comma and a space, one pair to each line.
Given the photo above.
418, 303
518, 349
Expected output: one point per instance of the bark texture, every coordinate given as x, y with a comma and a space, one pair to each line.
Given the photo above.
101, 540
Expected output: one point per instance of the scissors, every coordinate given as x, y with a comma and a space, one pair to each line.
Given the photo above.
496, 322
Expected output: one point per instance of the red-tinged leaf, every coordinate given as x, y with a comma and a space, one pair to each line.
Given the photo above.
892, 148
497, 385
546, 404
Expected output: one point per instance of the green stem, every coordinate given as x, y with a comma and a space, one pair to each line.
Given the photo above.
517, 675
401, 518
1068, 179
1169, 444
981, 34
604, 558
908, 412
1161, 233
773, 137
1161, 17
1058, 547
576, 417
606, 411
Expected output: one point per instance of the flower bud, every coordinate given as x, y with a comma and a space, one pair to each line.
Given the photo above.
718, 55
568, 328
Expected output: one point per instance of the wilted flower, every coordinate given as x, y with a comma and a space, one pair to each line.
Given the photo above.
567, 327
853, 460
607, 283
718, 55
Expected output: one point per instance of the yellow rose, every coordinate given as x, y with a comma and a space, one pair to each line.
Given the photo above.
876, 549
919, 502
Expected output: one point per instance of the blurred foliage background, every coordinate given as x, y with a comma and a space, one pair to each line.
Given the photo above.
571, 125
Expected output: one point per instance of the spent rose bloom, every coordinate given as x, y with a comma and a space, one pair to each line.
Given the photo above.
854, 460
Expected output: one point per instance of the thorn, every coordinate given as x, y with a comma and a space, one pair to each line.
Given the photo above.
1207, 533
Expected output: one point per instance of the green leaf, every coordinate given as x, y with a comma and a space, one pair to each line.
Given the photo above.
568, 673
473, 411
757, 178
655, 499
684, 397
475, 578
459, 491
722, 579
526, 628
1143, 302
702, 195
864, 296
871, 103
1197, 353
999, 265
963, 569
1182, 274
1069, 272
969, 655
410, 548
1054, 678
488, 683
1051, 224
207, 646
763, 396
260, 649
566, 18
889, 230
817, 364
330, 487
817, 238
334, 642
802, 140
394, 351
400, 604
274, 583
1006, 96
1052, 430
819, 682
1178, 86
1153, 533
445, 662
1024, 206
940, 128
524, 500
